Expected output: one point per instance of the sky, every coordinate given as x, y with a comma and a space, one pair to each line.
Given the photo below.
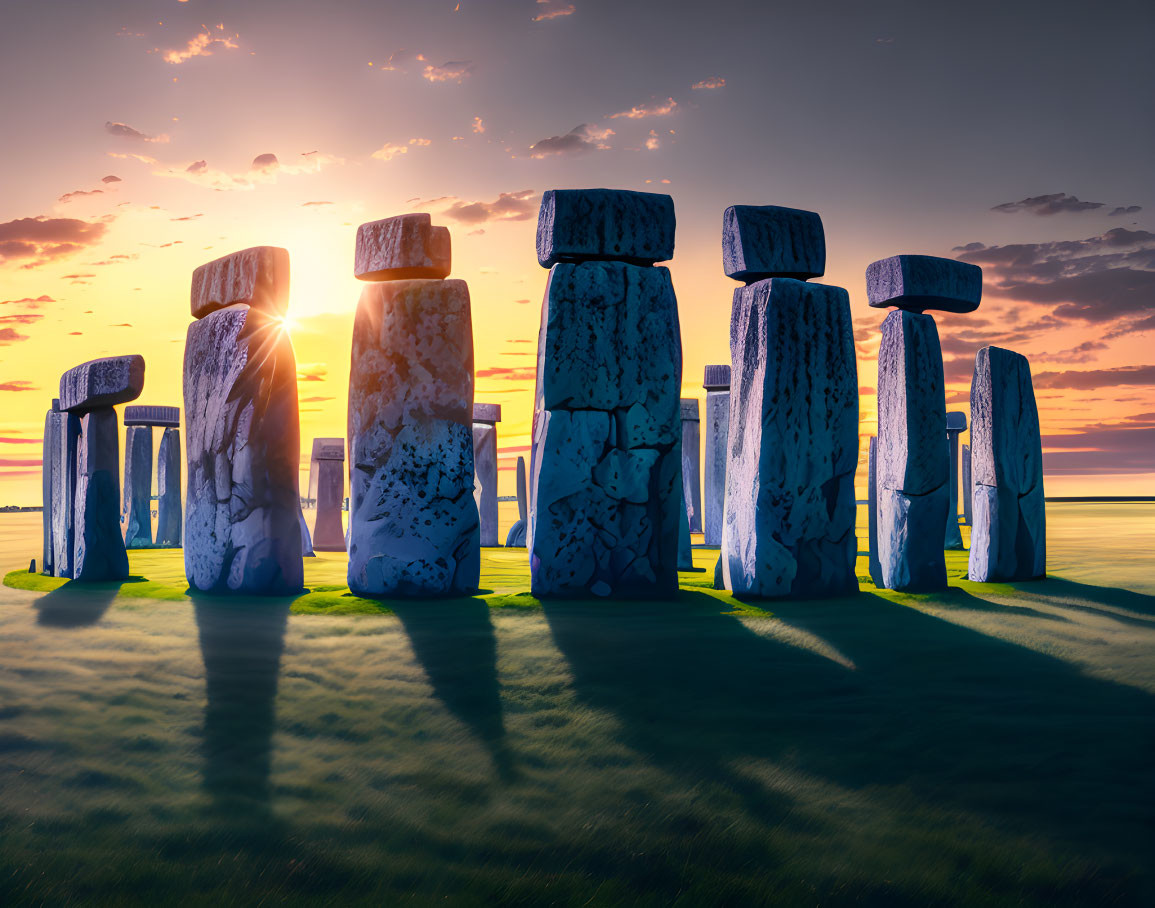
145, 138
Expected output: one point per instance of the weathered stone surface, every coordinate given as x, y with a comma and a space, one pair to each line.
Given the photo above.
49, 448
328, 534
242, 532
102, 383
516, 536
685, 547
793, 442
762, 241
1009, 539
405, 247
717, 431
328, 449
256, 277
413, 523
487, 413
875, 565
912, 459
169, 512
967, 485
485, 479
919, 282
306, 538
606, 472
168, 417
137, 503
692, 462
584, 225
63, 468
98, 552
955, 423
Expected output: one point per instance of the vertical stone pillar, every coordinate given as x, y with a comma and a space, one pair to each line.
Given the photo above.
168, 482
968, 488
517, 532
872, 511
328, 462
717, 430
793, 434
956, 424
137, 504
242, 529
485, 420
692, 462
605, 482
49, 456
413, 524
1009, 539
64, 492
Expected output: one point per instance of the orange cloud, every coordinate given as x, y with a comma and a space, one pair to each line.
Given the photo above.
18, 385
706, 84
553, 10
448, 72
46, 239
202, 45
508, 206
659, 109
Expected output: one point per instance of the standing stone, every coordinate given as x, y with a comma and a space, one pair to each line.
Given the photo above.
793, 442
242, 530
306, 537
956, 423
1009, 539
691, 462
51, 445
98, 547
968, 488
137, 504
685, 546
168, 482
605, 502
516, 535
329, 464
717, 430
413, 523
485, 420
913, 467
872, 512
63, 467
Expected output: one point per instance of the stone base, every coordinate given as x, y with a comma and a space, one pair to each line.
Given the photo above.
98, 551
910, 540
1009, 539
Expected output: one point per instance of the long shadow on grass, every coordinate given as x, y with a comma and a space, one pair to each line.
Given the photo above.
969, 723
1102, 600
77, 604
453, 640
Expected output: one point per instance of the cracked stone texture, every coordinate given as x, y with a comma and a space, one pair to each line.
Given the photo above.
102, 383
952, 540
405, 247
967, 484
242, 530
875, 567
793, 442
714, 489
764, 241
98, 547
485, 480
152, 415
49, 455
515, 538
605, 501
692, 462
414, 529
328, 534
912, 455
306, 537
169, 512
62, 467
685, 544
918, 282
257, 277
137, 503
585, 225
1009, 536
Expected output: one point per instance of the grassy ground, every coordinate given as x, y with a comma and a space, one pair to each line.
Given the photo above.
989, 745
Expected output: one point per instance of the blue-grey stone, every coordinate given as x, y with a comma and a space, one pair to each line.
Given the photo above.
956, 421
716, 378
685, 547
49, 448
98, 547
517, 533
692, 462
953, 542
242, 529
257, 277
585, 225
137, 504
487, 413
793, 442
306, 537
967, 485
1009, 536
875, 567
328, 534
485, 479
919, 282
404, 247
169, 512
102, 383
150, 415
66, 431
717, 431
912, 460
413, 523
762, 241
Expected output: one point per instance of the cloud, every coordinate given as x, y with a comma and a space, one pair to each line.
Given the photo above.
264, 168
79, 193
1047, 205
578, 140
197, 167
265, 163
111, 178
20, 441
312, 371
1096, 378
14, 462
652, 141
1129, 209
203, 44
389, 151
478, 125
509, 373
421, 143
124, 131
553, 10
23, 318
46, 239
400, 59
309, 204
448, 72
1102, 449
29, 301
709, 84
640, 111
18, 385
316, 400
508, 206
11, 336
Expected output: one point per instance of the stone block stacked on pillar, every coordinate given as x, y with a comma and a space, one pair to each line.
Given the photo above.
516, 536
692, 462
242, 529
793, 427
414, 529
605, 502
717, 430
328, 465
956, 424
913, 464
485, 420
1009, 537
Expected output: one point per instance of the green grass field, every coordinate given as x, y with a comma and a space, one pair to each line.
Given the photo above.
988, 745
